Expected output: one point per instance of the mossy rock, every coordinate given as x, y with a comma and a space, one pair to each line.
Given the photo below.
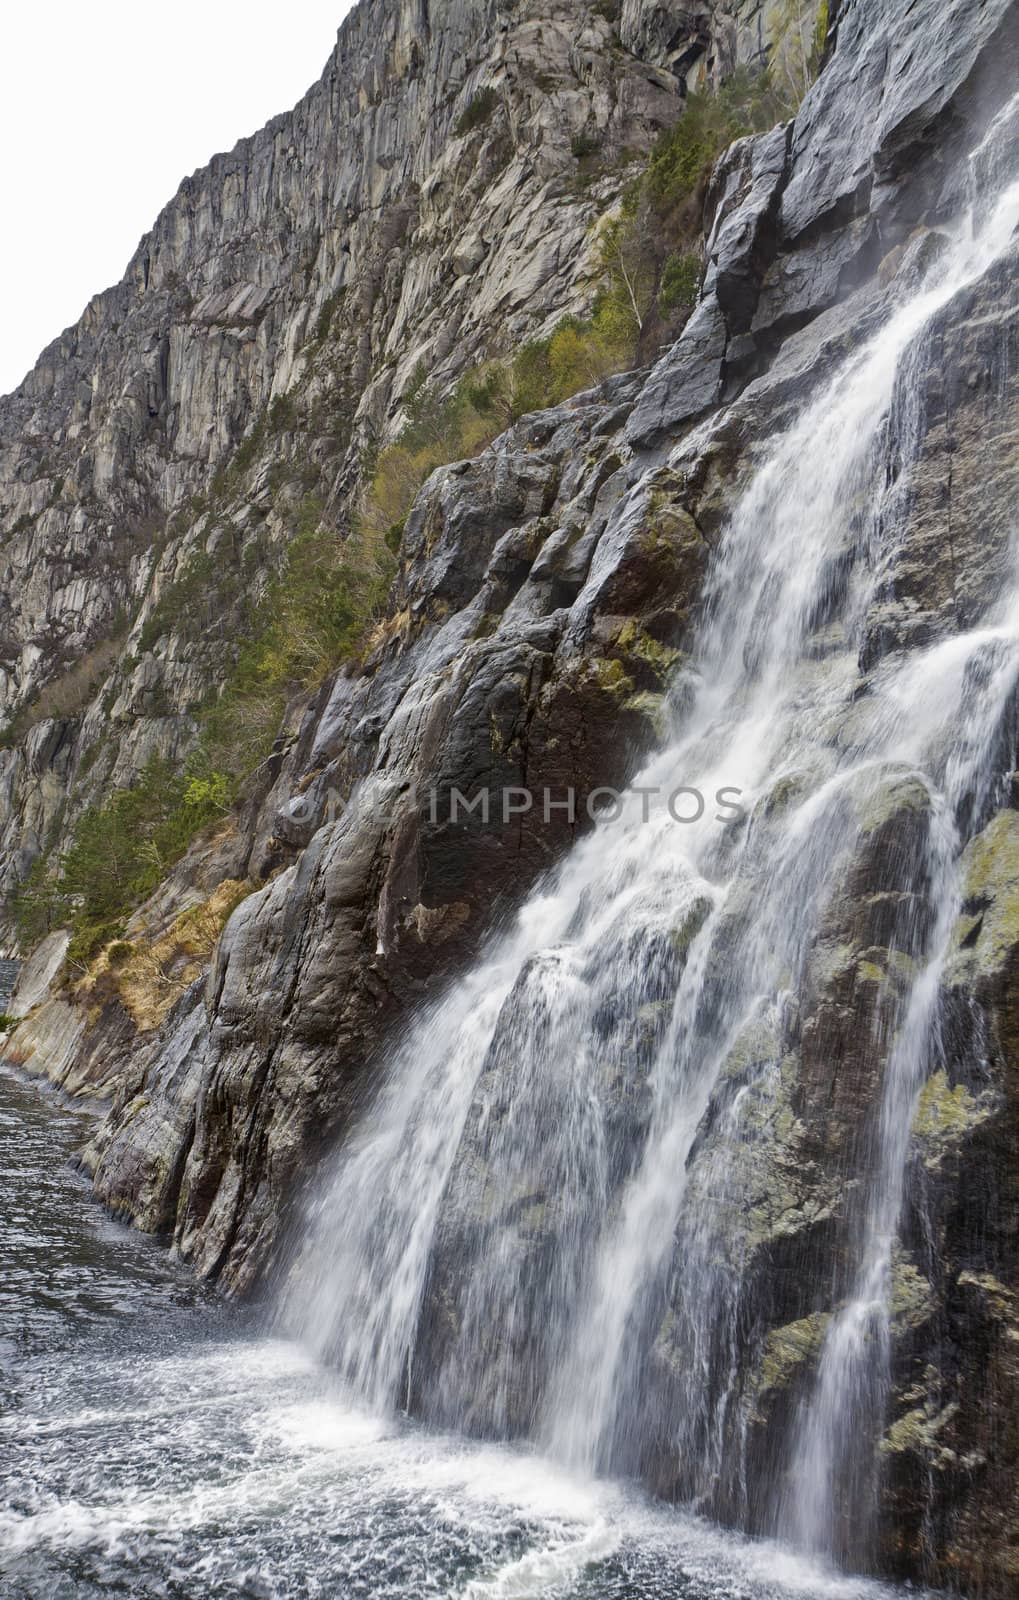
612, 678
899, 794
917, 1432
654, 708
684, 934
945, 1115
788, 1352
784, 794
912, 1298
634, 641
988, 930
758, 1045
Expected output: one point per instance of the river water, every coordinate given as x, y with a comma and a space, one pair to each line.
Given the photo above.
153, 1443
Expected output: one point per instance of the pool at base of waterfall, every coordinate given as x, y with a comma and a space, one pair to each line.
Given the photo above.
153, 1443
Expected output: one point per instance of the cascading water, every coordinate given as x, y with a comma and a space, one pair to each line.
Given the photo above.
544, 1218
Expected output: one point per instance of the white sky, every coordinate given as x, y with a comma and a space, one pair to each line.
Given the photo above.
105, 106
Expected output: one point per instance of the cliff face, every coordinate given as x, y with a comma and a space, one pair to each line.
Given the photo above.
324, 259
423, 208
538, 624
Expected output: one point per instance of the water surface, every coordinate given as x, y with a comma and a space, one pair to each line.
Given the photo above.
154, 1443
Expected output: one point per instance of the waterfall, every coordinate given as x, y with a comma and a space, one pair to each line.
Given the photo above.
543, 1218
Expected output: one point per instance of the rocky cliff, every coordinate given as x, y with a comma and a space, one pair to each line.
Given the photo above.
536, 637
430, 204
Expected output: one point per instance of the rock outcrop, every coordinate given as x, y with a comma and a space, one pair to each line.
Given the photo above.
536, 639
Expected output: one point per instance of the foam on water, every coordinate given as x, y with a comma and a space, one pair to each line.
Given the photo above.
162, 1448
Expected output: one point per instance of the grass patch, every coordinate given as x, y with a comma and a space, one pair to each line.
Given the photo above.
312, 617
149, 978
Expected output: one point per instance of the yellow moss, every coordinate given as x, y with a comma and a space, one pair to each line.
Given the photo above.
651, 706
787, 1350
901, 966
1001, 1298
612, 678
991, 892
918, 1432
870, 972
671, 530
911, 1300
635, 642
945, 1115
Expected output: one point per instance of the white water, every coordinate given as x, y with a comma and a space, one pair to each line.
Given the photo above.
153, 1445
550, 1174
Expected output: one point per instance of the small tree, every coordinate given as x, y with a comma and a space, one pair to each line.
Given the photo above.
800, 34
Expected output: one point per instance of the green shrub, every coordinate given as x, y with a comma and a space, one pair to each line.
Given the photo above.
33, 907
438, 430
649, 256
312, 616
478, 112
683, 158
650, 252
120, 852
191, 603
282, 414
800, 33
578, 355
681, 276
583, 145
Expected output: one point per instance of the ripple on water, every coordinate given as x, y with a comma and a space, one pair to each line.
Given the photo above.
153, 1445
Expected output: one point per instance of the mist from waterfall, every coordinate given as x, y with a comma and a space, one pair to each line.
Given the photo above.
555, 1166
